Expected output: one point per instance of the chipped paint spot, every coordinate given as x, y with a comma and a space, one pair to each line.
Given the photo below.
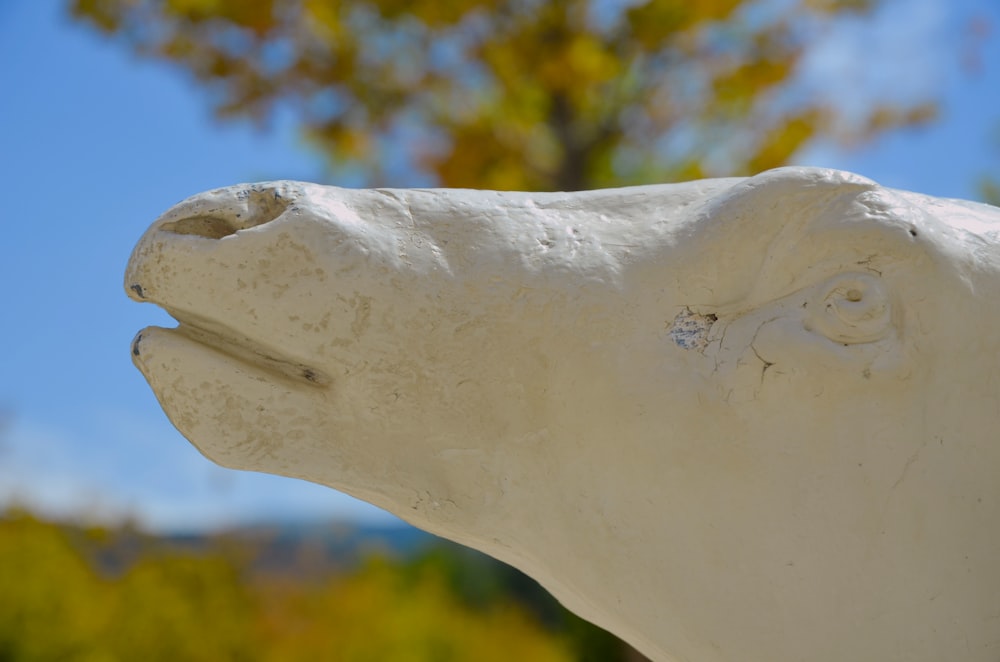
690, 330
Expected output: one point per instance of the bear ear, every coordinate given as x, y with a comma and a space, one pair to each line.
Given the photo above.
766, 203
735, 228
804, 177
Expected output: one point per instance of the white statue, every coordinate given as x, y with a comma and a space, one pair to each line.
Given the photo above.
729, 420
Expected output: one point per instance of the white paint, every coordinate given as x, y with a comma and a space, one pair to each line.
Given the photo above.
807, 470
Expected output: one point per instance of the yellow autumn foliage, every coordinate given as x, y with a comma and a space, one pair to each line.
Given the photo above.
513, 94
160, 603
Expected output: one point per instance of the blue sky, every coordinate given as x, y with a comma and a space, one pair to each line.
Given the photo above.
95, 145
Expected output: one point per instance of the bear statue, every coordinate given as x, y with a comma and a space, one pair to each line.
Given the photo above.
730, 420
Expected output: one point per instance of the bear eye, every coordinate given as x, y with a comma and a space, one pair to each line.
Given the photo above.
850, 308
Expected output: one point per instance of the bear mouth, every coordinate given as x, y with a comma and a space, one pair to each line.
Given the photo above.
230, 345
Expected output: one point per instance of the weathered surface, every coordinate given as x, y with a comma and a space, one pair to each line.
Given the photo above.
748, 420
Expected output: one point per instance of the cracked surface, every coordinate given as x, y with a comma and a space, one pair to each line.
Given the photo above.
691, 330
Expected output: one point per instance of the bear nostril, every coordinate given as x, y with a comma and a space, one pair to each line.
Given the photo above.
264, 205
250, 208
210, 227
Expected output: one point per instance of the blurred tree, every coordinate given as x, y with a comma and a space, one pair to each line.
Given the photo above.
989, 185
52, 605
515, 94
55, 605
98, 595
183, 606
989, 191
383, 613
482, 581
